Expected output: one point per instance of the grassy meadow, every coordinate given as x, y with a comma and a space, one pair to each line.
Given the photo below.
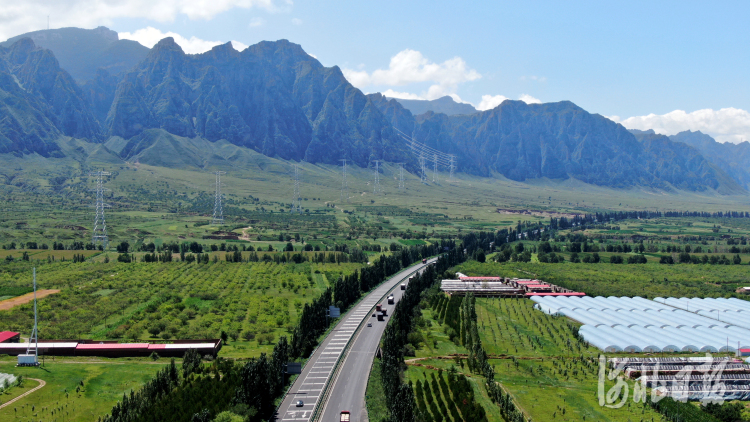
77, 389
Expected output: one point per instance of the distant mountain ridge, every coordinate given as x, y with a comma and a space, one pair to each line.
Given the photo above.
169, 108
558, 141
445, 105
81, 52
732, 158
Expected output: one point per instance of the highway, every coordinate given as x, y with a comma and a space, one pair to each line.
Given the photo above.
347, 391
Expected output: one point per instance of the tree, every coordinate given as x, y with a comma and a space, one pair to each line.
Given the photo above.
191, 362
123, 247
615, 259
737, 260
480, 256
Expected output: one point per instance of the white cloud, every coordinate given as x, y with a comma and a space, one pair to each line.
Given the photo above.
528, 99
256, 22
533, 78
490, 101
296, 21
410, 66
724, 125
150, 36
402, 95
23, 16
239, 46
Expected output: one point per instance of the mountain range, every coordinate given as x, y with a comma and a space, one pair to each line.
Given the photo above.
445, 105
277, 100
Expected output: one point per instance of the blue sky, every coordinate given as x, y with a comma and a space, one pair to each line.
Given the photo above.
684, 62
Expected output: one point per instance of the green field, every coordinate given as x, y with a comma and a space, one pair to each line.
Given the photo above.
77, 389
254, 303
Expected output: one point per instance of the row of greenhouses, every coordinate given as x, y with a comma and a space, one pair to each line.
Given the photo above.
622, 324
732, 310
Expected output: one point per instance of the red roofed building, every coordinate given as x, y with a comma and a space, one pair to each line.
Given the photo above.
9, 337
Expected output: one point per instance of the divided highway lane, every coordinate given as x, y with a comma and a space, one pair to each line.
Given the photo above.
309, 386
347, 391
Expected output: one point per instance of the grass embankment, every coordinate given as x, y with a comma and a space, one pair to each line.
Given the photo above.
375, 396
104, 383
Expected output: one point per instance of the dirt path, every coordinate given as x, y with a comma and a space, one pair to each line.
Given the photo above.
28, 297
41, 384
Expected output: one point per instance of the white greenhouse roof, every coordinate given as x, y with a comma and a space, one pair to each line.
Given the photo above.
615, 324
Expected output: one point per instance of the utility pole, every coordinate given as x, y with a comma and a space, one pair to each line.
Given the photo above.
453, 167
32, 359
401, 176
344, 184
296, 204
99, 234
218, 218
377, 190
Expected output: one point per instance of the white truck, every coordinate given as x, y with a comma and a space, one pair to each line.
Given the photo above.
344, 416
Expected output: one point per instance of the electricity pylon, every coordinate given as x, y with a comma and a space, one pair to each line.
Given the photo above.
452, 167
377, 190
99, 234
344, 183
435, 170
296, 202
218, 218
423, 169
401, 176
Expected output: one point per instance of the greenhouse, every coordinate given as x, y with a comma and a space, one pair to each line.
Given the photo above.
615, 324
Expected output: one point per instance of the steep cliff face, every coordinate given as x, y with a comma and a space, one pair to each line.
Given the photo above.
272, 97
40, 101
558, 141
279, 101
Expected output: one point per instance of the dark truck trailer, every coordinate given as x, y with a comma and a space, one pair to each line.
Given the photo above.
403, 286
424, 261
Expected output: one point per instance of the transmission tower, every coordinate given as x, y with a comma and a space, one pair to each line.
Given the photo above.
99, 234
377, 190
401, 176
435, 170
422, 168
218, 218
32, 359
344, 183
452, 167
296, 203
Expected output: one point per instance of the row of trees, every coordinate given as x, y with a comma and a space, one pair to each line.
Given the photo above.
399, 397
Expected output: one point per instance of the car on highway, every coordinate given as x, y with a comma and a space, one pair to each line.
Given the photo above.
300, 403
369, 324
